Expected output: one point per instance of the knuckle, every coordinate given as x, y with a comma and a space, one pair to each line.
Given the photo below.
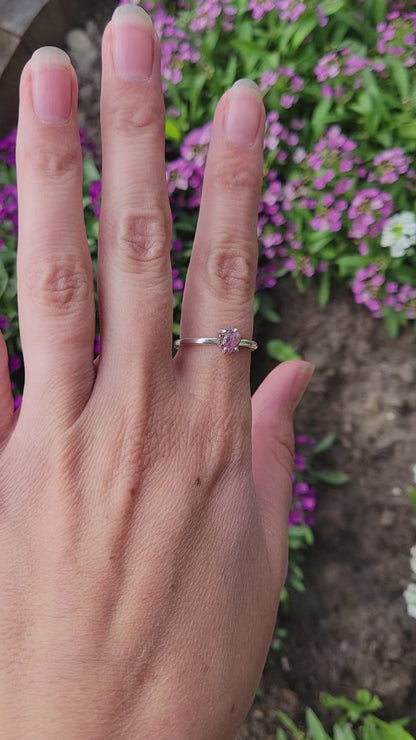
144, 237
61, 287
130, 117
232, 268
60, 161
236, 177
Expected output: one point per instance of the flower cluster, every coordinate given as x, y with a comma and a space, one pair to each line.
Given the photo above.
176, 46
8, 208
389, 165
285, 80
95, 195
337, 68
8, 148
368, 213
397, 36
290, 10
304, 494
185, 174
207, 12
371, 289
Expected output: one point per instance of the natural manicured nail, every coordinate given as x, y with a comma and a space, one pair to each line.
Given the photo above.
301, 381
243, 116
132, 43
51, 84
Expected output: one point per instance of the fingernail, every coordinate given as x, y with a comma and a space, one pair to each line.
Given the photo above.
300, 383
243, 116
132, 43
51, 84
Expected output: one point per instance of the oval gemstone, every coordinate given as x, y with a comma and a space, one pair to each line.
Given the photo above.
229, 339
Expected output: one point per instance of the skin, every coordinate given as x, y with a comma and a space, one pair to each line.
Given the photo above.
144, 500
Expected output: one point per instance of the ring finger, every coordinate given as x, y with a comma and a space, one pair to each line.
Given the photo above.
219, 290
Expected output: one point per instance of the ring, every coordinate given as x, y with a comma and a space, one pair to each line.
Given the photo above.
228, 340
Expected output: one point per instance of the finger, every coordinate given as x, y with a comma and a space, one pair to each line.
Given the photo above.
134, 272
219, 290
54, 270
273, 405
6, 397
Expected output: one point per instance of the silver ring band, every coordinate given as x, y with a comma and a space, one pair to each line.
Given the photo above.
229, 340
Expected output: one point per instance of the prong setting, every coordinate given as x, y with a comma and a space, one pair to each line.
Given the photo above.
228, 340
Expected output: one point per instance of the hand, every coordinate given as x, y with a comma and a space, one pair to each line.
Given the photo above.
143, 538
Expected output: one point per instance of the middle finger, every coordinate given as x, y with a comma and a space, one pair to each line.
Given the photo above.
134, 271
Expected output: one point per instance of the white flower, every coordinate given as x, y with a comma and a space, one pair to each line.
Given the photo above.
399, 233
410, 597
413, 559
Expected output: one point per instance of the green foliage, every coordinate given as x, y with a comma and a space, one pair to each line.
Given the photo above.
281, 351
412, 495
357, 721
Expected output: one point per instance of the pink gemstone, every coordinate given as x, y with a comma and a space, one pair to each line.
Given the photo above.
229, 339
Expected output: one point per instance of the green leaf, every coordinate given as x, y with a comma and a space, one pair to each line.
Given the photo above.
392, 320
267, 311
280, 734
90, 171
400, 75
391, 731
330, 701
319, 116
324, 288
303, 31
323, 445
198, 83
333, 477
172, 130
315, 727
247, 47
367, 701
230, 73
300, 536
287, 722
343, 733
369, 731
352, 260
408, 130
281, 351
412, 496
4, 279
329, 7
379, 10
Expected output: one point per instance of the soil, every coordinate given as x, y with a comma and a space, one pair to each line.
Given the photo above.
350, 630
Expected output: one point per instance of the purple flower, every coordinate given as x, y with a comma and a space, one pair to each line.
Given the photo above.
14, 363
287, 101
176, 280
